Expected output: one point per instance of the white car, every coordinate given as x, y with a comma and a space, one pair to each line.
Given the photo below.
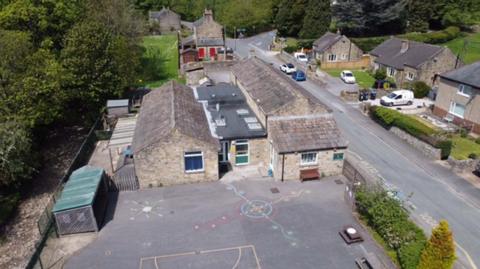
288, 68
301, 57
347, 77
396, 98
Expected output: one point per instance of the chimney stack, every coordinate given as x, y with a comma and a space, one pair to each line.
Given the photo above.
208, 15
404, 46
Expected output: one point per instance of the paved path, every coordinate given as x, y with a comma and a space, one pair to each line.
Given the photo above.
437, 192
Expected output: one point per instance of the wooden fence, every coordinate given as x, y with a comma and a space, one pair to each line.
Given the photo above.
363, 63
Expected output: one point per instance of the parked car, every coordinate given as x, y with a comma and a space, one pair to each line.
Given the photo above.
347, 76
301, 57
288, 68
299, 76
400, 97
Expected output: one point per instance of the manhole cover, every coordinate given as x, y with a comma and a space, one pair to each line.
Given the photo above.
338, 181
274, 190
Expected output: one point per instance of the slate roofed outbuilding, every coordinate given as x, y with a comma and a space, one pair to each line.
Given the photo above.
304, 133
269, 87
469, 74
169, 108
326, 41
161, 14
390, 53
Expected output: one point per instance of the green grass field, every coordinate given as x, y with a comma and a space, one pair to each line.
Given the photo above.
364, 79
159, 61
462, 147
473, 47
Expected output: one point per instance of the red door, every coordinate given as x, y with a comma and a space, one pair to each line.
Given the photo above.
213, 52
201, 53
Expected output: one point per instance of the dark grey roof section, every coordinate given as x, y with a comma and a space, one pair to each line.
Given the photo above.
210, 42
268, 86
226, 104
305, 133
161, 14
326, 41
198, 22
188, 41
168, 108
390, 53
469, 75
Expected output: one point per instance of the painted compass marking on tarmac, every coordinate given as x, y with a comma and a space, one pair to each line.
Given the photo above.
146, 208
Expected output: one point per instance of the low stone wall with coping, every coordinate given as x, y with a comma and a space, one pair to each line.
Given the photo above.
462, 166
427, 149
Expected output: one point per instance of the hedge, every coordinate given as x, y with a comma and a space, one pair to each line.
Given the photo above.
8, 204
420, 89
438, 37
387, 217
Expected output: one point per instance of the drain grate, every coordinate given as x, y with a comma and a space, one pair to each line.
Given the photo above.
338, 181
274, 190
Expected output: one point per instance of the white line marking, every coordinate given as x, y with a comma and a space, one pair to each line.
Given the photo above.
238, 259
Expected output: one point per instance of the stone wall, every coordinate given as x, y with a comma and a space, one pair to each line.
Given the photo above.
427, 149
462, 166
162, 164
441, 63
326, 165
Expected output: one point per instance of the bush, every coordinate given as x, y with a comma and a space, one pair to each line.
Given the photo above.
473, 156
437, 37
420, 89
384, 116
290, 49
369, 43
389, 117
409, 254
477, 140
446, 148
305, 43
8, 204
463, 132
380, 74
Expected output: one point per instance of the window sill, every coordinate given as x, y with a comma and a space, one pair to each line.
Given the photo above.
455, 115
308, 164
195, 172
464, 95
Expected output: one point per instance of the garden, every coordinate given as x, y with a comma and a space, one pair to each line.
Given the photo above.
364, 79
458, 145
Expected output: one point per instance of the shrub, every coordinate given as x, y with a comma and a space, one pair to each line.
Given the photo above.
409, 254
446, 147
389, 117
384, 116
8, 204
477, 140
473, 156
463, 132
290, 49
380, 74
369, 43
305, 43
420, 89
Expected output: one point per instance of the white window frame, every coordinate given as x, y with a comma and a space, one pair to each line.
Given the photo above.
453, 105
242, 142
391, 72
332, 57
410, 76
461, 90
344, 56
193, 154
302, 162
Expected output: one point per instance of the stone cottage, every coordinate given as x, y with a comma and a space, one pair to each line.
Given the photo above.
172, 143
164, 21
458, 97
308, 143
336, 48
408, 61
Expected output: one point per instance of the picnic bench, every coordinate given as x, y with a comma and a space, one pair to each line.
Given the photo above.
309, 174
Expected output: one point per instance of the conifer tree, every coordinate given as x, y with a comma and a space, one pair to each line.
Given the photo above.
439, 253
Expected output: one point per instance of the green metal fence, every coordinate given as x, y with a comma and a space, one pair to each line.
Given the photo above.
45, 223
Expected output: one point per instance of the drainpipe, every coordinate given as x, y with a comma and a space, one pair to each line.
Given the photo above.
283, 165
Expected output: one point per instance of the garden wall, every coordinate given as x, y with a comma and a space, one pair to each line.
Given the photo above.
427, 149
462, 166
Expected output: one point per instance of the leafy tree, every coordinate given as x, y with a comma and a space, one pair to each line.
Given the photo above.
289, 18
16, 162
372, 17
419, 14
317, 19
439, 252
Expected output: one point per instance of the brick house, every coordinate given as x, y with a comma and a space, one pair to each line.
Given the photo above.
304, 143
207, 39
172, 143
408, 61
458, 97
336, 48
164, 21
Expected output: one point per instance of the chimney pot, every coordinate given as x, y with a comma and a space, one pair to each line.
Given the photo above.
405, 44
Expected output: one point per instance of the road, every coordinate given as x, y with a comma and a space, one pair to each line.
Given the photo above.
437, 192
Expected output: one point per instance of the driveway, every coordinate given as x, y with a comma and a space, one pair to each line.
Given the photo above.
238, 225
437, 192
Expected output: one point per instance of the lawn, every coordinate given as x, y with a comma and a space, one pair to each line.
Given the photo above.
159, 61
462, 147
364, 79
473, 47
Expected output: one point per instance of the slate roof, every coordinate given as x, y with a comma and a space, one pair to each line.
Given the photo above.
209, 41
469, 74
230, 99
326, 41
389, 53
269, 87
168, 108
161, 14
305, 133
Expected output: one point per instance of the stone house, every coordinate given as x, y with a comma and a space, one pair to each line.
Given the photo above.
408, 61
458, 97
164, 21
336, 48
172, 143
207, 38
307, 142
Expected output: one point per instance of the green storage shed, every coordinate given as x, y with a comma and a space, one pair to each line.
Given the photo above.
83, 202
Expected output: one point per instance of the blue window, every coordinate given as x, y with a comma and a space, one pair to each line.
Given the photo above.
193, 161
337, 156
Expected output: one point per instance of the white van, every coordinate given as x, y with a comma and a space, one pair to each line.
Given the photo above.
396, 98
300, 56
